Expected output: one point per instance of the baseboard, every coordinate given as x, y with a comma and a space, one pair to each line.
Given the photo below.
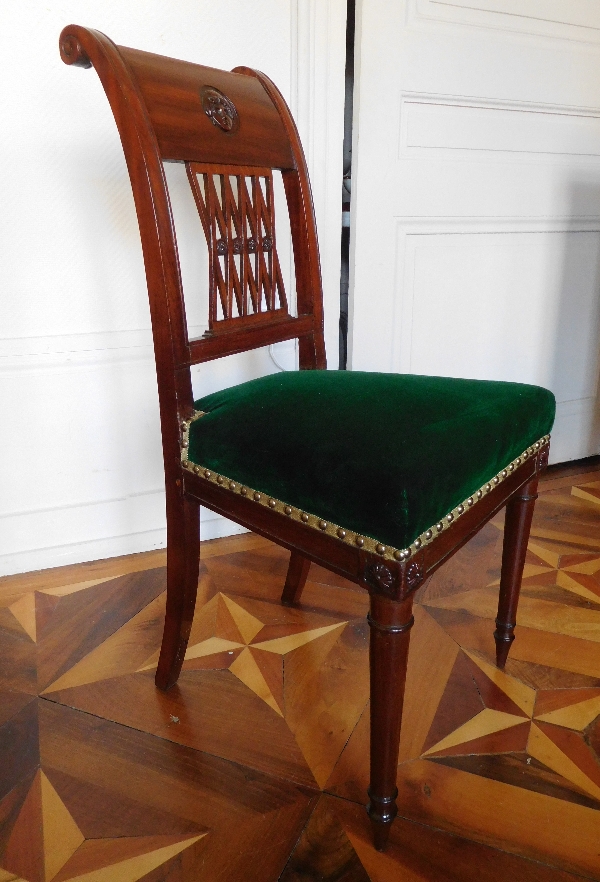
28, 560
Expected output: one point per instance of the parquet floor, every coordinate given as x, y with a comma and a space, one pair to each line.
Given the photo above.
255, 766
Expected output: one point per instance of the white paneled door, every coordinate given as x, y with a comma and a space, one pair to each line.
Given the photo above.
476, 197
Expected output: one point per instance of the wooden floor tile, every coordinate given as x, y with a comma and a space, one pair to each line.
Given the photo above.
255, 765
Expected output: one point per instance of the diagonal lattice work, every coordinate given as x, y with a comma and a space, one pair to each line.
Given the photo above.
236, 207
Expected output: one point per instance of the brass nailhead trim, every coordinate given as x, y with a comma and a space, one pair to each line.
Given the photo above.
343, 535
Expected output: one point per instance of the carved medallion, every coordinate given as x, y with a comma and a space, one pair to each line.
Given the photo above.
380, 577
219, 109
414, 575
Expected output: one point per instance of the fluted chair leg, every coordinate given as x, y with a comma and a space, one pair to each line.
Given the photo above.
296, 578
517, 524
390, 624
183, 563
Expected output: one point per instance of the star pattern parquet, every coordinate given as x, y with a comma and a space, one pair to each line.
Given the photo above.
254, 767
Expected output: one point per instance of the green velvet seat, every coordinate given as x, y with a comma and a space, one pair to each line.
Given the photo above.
380, 456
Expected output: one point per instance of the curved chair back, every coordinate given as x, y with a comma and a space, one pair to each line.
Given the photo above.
231, 130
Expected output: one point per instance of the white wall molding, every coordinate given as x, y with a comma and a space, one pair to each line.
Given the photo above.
515, 129
23, 558
531, 314
410, 230
317, 103
75, 350
577, 20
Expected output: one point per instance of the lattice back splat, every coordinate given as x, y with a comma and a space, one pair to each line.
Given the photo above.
237, 210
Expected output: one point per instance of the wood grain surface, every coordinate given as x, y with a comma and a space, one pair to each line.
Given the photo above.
255, 766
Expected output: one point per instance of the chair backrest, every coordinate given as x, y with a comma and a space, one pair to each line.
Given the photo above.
231, 130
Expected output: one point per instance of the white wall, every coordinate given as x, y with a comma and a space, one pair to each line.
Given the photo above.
80, 454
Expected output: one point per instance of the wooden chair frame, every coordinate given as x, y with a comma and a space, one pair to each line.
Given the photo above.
152, 101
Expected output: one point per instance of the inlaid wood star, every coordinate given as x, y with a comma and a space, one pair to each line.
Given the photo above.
46, 843
272, 705
237, 642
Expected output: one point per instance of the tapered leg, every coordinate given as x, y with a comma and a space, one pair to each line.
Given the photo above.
517, 524
390, 634
183, 563
296, 578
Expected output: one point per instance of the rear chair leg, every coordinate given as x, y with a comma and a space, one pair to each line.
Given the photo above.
390, 624
183, 564
519, 512
296, 578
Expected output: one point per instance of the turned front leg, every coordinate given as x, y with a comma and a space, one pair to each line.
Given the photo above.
517, 524
390, 624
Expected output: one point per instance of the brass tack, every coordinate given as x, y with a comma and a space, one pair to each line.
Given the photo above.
479, 494
429, 534
322, 525
380, 549
272, 503
304, 517
398, 555
359, 541
537, 445
470, 501
450, 518
219, 480
232, 485
405, 553
496, 480
518, 460
418, 543
488, 487
257, 497
244, 491
184, 443
439, 527
460, 509
511, 467
207, 474
341, 533
504, 473
197, 469
287, 510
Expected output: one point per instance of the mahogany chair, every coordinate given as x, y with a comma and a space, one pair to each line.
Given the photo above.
378, 477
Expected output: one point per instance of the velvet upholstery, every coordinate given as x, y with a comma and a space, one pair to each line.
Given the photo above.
384, 455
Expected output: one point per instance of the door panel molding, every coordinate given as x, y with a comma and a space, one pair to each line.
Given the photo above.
440, 123
577, 20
